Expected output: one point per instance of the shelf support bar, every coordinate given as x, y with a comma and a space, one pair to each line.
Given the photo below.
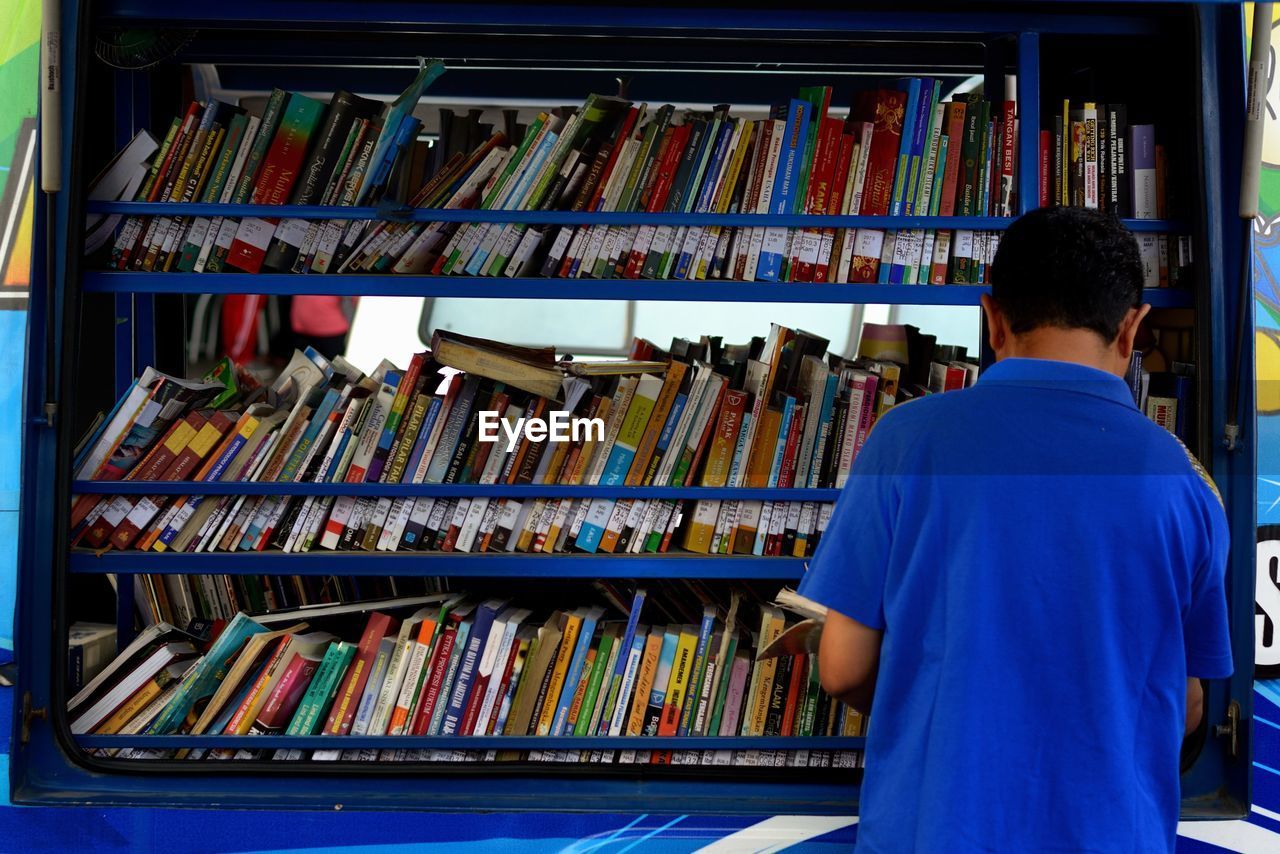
1028, 122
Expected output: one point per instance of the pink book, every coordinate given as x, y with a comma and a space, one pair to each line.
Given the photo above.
285, 697
733, 700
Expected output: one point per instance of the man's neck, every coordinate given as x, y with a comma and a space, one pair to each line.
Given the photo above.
1081, 346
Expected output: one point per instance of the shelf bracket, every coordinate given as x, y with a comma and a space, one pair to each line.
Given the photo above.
30, 714
1231, 729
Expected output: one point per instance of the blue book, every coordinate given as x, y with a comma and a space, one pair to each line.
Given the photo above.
673, 419
624, 652
318, 420
794, 135
920, 122
470, 659
459, 645
477, 261
707, 191
574, 673
788, 411
381, 173
909, 114
824, 422
699, 668
424, 435
661, 676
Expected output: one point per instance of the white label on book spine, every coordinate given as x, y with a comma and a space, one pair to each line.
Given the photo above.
255, 232
292, 232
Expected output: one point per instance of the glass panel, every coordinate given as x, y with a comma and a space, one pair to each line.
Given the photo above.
737, 322
952, 324
581, 327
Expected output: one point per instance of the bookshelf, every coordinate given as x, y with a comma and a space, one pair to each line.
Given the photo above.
305, 46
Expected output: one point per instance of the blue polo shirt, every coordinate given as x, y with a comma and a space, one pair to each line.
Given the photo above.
1047, 565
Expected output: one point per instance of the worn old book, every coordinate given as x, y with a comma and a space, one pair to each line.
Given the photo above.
804, 636
528, 368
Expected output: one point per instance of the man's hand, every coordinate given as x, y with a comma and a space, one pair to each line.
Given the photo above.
1195, 706
848, 660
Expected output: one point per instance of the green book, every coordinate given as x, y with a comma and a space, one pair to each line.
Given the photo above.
203, 678
726, 671
583, 725
248, 177
324, 686
920, 165
808, 712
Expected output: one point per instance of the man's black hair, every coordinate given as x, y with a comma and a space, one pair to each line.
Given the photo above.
1071, 268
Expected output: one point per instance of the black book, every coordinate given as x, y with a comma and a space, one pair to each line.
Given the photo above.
440, 151
831, 454
778, 696
343, 111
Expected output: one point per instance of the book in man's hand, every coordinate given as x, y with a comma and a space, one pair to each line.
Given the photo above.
804, 636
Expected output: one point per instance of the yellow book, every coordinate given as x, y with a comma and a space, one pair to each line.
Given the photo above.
131, 707
572, 625
678, 686
771, 626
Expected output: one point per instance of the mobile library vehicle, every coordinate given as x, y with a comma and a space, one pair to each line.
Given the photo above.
1133, 107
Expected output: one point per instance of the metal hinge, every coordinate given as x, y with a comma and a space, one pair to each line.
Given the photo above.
1231, 729
28, 715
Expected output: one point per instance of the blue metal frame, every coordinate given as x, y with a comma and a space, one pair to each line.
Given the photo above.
47, 768
449, 490
454, 564
478, 742
674, 290
409, 214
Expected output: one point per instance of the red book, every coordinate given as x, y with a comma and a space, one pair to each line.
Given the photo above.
197, 448
844, 162
168, 172
343, 711
624, 133
786, 474
806, 248
153, 465
280, 170
659, 157
869, 384
432, 685
705, 439
752, 202
237, 725
661, 189
951, 173
1009, 141
795, 688
955, 378
285, 696
504, 685
885, 141
1046, 167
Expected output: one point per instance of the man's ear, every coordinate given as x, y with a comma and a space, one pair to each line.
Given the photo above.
998, 333
1129, 331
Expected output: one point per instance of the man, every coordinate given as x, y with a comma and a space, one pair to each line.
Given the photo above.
1024, 575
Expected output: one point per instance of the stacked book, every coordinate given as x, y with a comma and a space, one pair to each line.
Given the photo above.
1094, 158
453, 665
778, 411
897, 150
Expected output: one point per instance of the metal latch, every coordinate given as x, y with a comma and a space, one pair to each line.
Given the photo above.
28, 715
1231, 729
